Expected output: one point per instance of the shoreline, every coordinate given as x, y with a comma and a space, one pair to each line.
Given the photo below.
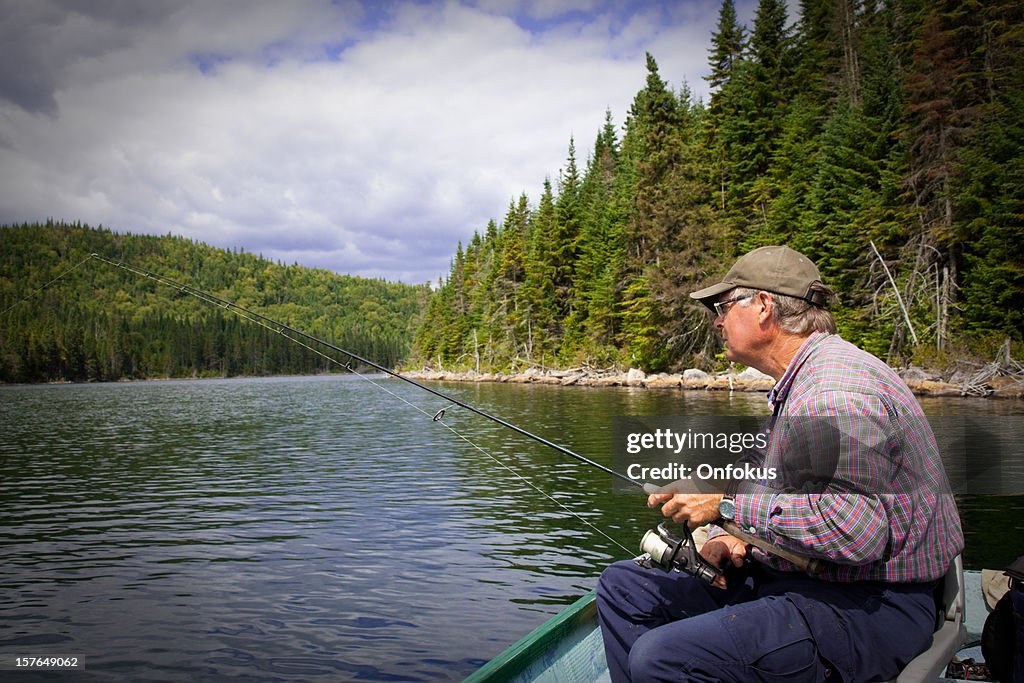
921, 383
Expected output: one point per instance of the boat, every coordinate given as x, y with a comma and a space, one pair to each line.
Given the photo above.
568, 649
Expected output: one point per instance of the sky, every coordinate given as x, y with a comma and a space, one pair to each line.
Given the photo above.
368, 138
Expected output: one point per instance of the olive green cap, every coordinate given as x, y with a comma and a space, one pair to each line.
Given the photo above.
775, 269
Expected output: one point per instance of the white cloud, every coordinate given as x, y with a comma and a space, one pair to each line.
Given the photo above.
246, 124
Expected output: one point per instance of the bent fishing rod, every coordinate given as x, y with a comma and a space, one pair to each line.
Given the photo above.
281, 327
660, 547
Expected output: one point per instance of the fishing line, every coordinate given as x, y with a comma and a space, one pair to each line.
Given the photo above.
45, 285
280, 327
666, 550
305, 340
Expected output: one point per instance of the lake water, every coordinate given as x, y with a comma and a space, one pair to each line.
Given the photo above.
320, 528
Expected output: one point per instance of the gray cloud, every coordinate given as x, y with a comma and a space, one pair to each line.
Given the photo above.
42, 39
364, 142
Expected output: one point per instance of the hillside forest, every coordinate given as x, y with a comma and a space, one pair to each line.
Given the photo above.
66, 317
882, 138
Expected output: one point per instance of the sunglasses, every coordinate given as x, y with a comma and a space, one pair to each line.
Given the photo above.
722, 307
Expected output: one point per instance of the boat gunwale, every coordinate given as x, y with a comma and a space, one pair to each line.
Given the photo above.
580, 617
521, 654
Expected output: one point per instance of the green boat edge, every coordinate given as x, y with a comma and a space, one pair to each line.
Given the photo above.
567, 647
566, 629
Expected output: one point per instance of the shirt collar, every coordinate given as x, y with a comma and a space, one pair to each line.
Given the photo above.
781, 389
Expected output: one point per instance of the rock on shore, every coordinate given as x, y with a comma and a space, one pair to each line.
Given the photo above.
919, 381
748, 380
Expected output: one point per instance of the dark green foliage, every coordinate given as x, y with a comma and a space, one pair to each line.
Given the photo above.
990, 191
727, 45
103, 323
895, 122
602, 248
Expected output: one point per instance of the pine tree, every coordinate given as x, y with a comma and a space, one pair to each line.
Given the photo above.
990, 205
669, 228
746, 121
727, 45
766, 86
602, 252
539, 300
565, 243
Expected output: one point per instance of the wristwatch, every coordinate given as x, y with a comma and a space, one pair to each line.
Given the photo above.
727, 508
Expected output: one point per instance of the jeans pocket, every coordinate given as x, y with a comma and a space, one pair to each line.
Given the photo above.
775, 642
795, 661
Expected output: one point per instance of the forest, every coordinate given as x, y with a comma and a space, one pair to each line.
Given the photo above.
882, 138
66, 317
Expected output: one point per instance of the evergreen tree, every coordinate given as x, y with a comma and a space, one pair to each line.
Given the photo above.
565, 243
540, 304
990, 204
890, 122
727, 45
746, 122
602, 250
669, 229
765, 89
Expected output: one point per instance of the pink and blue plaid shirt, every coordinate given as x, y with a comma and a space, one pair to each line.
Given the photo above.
861, 482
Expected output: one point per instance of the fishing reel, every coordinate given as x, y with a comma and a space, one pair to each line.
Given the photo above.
663, 550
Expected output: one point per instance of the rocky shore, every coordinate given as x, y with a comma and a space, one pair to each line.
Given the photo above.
921, 382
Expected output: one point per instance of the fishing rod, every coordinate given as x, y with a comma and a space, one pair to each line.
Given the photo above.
660, 547
280, 327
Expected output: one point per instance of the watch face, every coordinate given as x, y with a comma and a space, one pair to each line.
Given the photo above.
727, 508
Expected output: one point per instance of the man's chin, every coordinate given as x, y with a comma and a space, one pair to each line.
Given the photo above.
733, 357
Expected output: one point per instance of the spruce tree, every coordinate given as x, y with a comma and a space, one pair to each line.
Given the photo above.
670, 226
989, 217
602, 251
727, 45
539, 300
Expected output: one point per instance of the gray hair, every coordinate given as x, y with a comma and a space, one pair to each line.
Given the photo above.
796, 315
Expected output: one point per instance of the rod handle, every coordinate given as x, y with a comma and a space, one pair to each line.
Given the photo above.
808, 564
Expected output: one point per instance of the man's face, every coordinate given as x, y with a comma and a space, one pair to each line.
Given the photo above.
737, 322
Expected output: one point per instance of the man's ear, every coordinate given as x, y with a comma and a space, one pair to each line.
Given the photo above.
767, 305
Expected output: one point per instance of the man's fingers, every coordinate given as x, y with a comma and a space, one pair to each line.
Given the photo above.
679, 486
714, 552
656, 499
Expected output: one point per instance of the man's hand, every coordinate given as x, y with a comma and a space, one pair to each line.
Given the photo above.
722, 549
696, 509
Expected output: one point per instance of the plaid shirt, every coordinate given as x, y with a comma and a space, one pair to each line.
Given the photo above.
861, 483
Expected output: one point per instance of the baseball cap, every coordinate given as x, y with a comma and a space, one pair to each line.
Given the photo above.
775, 269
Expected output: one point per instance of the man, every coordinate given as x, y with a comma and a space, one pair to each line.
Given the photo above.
865, 494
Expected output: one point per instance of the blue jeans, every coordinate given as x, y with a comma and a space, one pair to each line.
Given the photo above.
1017, 597
766, 626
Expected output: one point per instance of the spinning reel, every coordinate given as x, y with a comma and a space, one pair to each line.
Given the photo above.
667, 552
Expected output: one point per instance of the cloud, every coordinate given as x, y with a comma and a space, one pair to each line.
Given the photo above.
364, 139
42, 40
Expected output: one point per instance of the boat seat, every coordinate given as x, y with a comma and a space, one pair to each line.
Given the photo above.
950, 635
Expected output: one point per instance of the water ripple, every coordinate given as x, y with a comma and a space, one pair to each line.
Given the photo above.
297, 529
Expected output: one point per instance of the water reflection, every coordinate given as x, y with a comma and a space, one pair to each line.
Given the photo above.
317, 528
